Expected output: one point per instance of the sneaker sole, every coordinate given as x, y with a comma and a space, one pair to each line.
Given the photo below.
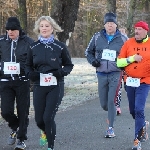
108, 136
19, 148
136, 149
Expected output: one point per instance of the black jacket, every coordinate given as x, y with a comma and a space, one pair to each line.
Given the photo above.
48, 58
20, 52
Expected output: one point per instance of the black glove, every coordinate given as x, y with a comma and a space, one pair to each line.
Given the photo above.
57, 73
34, 76
96, 63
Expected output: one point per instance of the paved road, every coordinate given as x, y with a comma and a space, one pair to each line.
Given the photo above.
82, 128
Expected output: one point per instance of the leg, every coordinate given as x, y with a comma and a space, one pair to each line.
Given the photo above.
7, 105
114, 85
39, 102
131, 98
52, 102
22, 99
140, 100
103, 91
118, 99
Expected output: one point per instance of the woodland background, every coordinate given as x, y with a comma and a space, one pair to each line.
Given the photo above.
80, 19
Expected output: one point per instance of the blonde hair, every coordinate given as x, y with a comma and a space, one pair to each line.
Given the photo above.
56, 27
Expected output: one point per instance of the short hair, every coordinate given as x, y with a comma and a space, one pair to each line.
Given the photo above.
55, 26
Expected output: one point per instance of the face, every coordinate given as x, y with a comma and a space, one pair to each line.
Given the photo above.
13, 34
45, 29
140, 33
110, 28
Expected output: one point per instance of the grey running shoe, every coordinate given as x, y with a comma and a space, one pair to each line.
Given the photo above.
144, 136
12, 138
110, 133
136, 145
20, 145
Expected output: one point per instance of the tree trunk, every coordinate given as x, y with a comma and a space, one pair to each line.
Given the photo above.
131, 16
65, 14
22, 13
111, 6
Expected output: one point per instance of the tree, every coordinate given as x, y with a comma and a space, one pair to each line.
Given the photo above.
65, 14
111, 6
22, 13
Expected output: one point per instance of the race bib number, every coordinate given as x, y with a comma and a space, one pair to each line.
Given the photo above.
109, 54
47, 80
134, 82
11, 68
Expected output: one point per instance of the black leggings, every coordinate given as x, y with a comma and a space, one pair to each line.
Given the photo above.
46, 101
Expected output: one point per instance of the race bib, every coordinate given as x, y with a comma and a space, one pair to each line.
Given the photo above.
108, 54
11, 68
47, 80
134, 82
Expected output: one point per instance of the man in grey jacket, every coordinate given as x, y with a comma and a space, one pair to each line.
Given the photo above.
101, 53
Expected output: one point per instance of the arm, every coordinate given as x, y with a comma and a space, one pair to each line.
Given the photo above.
90, 50
123, 62
66, 66
66, 62
123, 59
29, 69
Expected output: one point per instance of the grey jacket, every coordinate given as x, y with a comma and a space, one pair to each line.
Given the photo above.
98, 43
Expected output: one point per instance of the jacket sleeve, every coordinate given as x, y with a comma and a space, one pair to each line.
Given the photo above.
67, 65
90, 50
123, 60
29, 62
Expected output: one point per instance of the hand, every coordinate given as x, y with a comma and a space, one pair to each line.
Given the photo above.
57, 73
96, 63
138, 58
34, 76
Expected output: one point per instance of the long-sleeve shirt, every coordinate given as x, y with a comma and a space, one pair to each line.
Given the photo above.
132, 68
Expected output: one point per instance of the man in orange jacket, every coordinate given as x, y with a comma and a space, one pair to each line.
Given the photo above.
135, 58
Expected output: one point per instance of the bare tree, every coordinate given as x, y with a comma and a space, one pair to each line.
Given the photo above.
131, 13
111, 6
65, 13
22, 12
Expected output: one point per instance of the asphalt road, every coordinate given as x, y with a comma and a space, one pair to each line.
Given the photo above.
83, 127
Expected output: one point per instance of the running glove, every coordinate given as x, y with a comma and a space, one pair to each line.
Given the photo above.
96, 63
34, 76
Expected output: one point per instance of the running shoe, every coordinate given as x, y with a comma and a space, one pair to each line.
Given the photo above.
110, 133
43, 139
118, 111
136, 145
20, 145
144, 136
12, 138
50, 149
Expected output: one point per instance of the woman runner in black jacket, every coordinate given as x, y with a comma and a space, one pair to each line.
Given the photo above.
48, 61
